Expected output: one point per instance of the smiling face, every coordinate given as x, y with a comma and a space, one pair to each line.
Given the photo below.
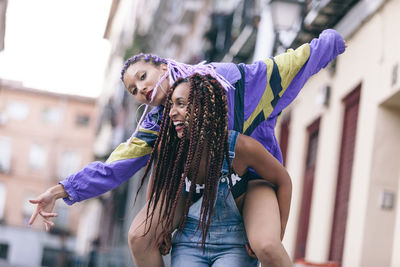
179, 104
141, 78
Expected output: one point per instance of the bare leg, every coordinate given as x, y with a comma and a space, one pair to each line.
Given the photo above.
263, 226
144, 249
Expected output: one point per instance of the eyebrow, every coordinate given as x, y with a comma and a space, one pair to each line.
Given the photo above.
130, 87
137, 74
137, 77
179, 98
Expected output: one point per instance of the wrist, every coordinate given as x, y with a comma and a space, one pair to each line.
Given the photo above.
58, 191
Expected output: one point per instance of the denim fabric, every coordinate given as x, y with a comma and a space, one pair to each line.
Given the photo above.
226, 239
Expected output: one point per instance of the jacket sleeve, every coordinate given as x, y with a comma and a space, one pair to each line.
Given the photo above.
322, 50
272, 84
98, 177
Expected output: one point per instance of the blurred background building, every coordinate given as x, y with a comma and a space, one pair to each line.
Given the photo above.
340, 137
44, 137
3, 8
343, 146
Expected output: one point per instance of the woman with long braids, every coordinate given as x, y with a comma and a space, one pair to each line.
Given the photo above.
191, 148
256, 95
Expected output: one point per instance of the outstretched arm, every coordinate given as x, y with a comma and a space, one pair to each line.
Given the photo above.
98, 177
297, 66
265, 88
251, 154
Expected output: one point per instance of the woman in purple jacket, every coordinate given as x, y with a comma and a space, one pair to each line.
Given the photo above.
257, 93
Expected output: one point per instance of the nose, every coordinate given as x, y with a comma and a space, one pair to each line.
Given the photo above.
172, 112
141, 89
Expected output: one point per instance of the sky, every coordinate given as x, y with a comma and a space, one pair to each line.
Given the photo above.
56, 45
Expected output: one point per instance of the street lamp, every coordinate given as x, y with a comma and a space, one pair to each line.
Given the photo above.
286, 17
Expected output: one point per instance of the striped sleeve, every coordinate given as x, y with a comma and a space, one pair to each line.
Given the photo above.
97, 177
294, 73
140, 145
272, 84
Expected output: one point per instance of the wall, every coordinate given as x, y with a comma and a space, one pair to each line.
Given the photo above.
369, 60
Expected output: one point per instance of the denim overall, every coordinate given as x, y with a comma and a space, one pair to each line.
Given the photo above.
226, 239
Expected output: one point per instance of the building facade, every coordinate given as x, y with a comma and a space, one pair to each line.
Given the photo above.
343, 146
43, 138
3, 10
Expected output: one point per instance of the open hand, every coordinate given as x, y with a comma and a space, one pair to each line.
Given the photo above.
44, 207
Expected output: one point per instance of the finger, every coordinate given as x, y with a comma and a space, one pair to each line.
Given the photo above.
164, 250
50, 223
250, 251
34, 201
48, 214
34, 215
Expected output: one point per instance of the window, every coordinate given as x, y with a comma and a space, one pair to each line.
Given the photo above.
17, 110
5, 155
51, 115
2, 200
52, 257
37, 157
70, 162
3, 251
82, 120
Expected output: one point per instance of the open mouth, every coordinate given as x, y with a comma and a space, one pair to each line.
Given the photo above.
179, 125
148, 95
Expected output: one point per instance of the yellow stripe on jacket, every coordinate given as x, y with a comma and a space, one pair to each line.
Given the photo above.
138, 147
288, 64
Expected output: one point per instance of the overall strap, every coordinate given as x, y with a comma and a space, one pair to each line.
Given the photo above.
238, 120
232, 138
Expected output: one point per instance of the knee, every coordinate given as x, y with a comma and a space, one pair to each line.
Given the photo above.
137, 241
269, 252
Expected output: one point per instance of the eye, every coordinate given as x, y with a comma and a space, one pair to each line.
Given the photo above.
181, 104
134, 91
143, 76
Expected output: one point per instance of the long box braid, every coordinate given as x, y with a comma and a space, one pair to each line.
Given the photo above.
180, 158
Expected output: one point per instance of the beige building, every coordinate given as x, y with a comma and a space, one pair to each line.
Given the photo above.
43, 137
343, 150
3, 9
